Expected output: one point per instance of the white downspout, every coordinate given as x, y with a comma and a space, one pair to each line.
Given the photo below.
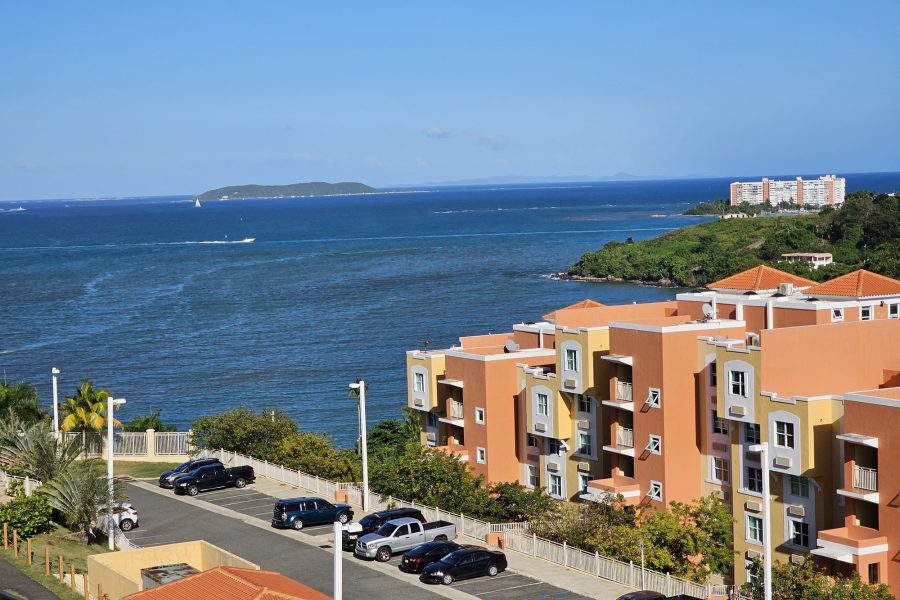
770, 315
739, 311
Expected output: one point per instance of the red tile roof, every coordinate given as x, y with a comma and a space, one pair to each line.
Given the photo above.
858, 284
758, 279
231, 583
586, 303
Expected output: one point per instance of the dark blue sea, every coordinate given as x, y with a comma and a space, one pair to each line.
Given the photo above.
170, 307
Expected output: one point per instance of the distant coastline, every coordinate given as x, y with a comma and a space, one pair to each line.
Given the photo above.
291, 190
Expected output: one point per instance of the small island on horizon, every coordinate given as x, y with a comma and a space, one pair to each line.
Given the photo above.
291, 190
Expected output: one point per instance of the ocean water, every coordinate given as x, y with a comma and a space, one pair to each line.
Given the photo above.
170, 307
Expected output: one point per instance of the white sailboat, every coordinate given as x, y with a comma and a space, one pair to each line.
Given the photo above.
197, 202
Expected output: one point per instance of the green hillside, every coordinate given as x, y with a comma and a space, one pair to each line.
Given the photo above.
863, 233
313, 188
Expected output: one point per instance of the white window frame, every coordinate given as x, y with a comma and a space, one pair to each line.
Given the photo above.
837, 315
571, 360
543, 404
479, 415
798, 527
654, 444
719, 425
754, 474
720, 469
588, 448
583, 479
559, 447
654, 398
799, 486
751, 577
784, 437
869, 313
753, 524
894, 311
480, 455
584, 404
531, 477
755, 428
655, 492
737, 380
531, 441
554, 485
419, 382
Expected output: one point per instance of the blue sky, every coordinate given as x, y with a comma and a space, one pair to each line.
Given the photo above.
107, 99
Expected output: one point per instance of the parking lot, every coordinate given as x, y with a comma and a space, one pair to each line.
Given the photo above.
258, 505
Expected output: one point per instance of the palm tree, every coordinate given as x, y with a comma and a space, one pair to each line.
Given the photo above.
86, 410
37, 452
21, 400
78, 493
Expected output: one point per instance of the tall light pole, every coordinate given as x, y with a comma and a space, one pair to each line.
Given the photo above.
338, 567
763, 449
110, 404
55, 373
360, 386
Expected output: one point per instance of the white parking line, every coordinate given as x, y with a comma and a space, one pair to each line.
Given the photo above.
495, 578
240, 502
515, 587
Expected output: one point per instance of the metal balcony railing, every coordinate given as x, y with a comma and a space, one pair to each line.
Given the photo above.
456, 409
625, 437
623, 391
865, 478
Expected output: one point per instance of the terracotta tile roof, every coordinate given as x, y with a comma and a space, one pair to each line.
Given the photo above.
586, 303
758, 279
858, 284
231, 583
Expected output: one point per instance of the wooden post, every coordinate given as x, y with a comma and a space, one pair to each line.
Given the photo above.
5, 536
61, 568
72, 575
28, 550
87, 588
15, 543
47, 561
99, 591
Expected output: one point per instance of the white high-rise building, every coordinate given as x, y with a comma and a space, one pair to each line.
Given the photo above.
824, 191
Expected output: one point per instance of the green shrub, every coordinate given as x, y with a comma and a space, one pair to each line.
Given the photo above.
29, 515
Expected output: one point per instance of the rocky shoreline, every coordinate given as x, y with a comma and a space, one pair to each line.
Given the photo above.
563, 276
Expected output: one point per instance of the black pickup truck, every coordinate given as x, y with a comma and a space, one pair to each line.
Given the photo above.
213, 477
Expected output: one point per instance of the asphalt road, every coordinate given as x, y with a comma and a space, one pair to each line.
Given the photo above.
13, 580
304, 556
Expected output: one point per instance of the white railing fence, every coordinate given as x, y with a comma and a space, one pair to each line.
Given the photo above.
623, 391
9, 482
150, 444
865, 478
516, 535
172, 442
625, 437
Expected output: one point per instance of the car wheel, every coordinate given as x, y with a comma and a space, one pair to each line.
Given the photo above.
297, 524
240, 482
447, 579
492, 571
441, 538
343, 518
126, 525
383, 554
193, 490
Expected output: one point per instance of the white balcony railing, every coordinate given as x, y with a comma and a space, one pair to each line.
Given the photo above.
456, 410
865, 478
623, 391
625, 437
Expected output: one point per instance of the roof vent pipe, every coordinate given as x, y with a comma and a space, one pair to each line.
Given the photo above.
770, 315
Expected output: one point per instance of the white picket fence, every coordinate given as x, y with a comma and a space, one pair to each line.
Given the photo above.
138, 444
516, 535
7, 480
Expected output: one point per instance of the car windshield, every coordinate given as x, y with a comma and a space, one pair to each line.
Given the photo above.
386, 529
454, 557
184, 467
369, 521
443, 550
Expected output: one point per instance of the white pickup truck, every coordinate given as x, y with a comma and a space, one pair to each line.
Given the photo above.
400, 535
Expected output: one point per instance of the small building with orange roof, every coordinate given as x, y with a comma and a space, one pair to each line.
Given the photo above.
231, 583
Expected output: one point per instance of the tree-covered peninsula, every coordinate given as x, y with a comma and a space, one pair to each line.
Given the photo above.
863, 233
292, 190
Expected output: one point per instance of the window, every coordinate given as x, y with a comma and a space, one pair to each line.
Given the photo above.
653, 399
532, 441
753, 574
719, 425
873, 573
738, 383
531, 476
720, 469
754, 529
799, 486
837, 314
419, 382
799, 533
479, 415
713, 378
481, 455
893, 311
584, 404
754, 480
655, 491
554, 486
865, 313
784, 434
584, 444
432, 419
543, 404
571, 360
583, 479
654, 446
554, 447
751, 433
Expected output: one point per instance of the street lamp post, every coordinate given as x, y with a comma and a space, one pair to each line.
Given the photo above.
55, 372
763, 449
338, 567
110, 404
360, 386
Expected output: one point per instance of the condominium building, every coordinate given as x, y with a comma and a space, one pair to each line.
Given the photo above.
824, 191
667, 401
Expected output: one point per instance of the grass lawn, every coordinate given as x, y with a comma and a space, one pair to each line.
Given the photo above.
142, 470
59, 542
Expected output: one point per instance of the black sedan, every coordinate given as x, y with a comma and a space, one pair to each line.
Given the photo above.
168, 477
463, 564
421, 556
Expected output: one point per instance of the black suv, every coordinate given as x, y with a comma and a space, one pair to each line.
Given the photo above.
166, 479
371, 523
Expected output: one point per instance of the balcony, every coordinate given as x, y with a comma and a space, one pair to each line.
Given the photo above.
624, 442
455, 415
623, 397
847, 544
455, 450
865, 485
627, 487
